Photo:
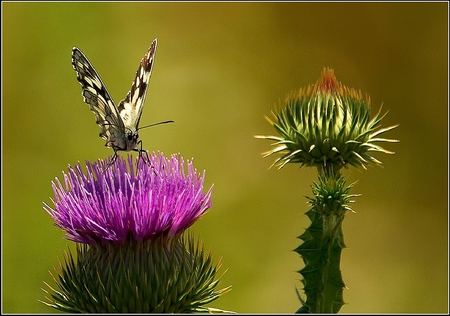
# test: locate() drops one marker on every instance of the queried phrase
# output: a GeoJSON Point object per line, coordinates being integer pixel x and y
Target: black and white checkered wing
{"type": "Point", "coordinates": [130, 108]}
{"type": "Point", "coordinates": [95, 94]}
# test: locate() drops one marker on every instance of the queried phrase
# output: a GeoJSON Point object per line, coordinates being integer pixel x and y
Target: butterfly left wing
{"type": "Point", "coordinates": [96, 95]}
{"type": "Point", "coordinates": [130, 108]}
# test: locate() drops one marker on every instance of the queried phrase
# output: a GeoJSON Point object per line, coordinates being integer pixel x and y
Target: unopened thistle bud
{"type": "Point", "coordinates": [327, 125]}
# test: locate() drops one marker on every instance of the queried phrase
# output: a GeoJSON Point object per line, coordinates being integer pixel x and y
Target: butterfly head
{"type": "Point", "coordinates": [131, 139]}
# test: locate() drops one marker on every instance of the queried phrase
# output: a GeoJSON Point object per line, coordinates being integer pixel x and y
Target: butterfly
{"type": "Point", "coordinates": [118, 124]}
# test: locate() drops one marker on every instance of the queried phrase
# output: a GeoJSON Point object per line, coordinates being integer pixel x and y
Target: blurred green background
{"type": "Point", "coordinates": [220, 68]}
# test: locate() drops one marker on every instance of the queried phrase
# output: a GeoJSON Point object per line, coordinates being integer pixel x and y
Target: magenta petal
{"type": "Point", "coordinates": [109, 206]}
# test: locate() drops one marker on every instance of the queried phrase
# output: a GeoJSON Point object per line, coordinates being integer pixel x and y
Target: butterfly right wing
{"type": "Point", "coordinates": [130, 108]}
{"type": "Point", "coordinates": [100, 102]}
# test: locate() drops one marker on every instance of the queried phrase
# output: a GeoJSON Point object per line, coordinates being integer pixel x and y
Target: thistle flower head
{"type": "Point", "coordinates": [328, 126]}
{"type": "Point", "coordinates": [133, 257]}
{"type": "Point", "coordinates": [160, 198]}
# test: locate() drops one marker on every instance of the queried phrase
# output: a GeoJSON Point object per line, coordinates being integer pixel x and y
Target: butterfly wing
{"type": "Point", "coordinates": [130, 108]}
{"type": "Point", "coordinates": [100, 102]}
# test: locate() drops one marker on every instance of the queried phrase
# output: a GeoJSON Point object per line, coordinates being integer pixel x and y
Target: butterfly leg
{"type": "Point", "coordinates": [112, 161]}
{"type": "Point", "coordinates": [141, 151]}
{"type": "Point", "coordinates": [141, 155]}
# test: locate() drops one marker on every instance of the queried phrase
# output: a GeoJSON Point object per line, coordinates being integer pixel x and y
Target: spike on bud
{"type": "Point", "coordinates": [328, 82]}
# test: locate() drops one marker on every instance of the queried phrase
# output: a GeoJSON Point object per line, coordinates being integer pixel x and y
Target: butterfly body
{"type": "Point", "coordinates": [118, 124]}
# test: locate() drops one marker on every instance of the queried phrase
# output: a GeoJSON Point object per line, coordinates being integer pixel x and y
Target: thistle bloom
{"type": "Point", "coordinates": [327, 125]}
{"type": "Point", "coordinates": [132, 256]}
{"type": "Point", "coordinates": [109, 206]}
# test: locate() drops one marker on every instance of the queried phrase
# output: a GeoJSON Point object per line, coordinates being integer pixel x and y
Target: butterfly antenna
{"type": "Point", "coordinates": [154, 124]}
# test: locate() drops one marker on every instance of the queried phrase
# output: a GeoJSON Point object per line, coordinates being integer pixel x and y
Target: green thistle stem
{"type": "Point", "coordinates": [322, 245]}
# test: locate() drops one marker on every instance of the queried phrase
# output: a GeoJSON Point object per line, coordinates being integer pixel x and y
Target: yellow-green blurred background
{"type": "Point", "coordinates": [220, 68]}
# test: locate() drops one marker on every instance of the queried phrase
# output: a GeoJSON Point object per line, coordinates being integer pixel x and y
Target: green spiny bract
{"type": "Point", "coordinates": [160, 275]}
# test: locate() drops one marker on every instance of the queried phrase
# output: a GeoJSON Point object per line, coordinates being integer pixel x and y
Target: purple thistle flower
{"type": "Point", "coordinates": [107, 206]}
